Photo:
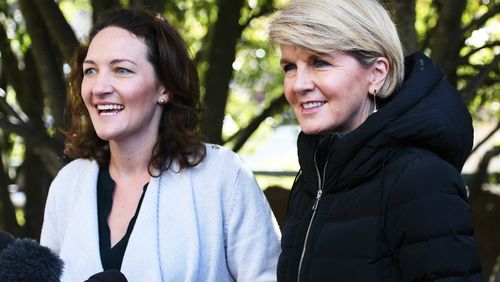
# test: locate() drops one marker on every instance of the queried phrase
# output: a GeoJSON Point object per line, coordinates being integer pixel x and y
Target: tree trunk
{"type": "Point", "coordinates": [58, 27]}
{"type": "Point", "coordinates": [8, 220]}
{"type": "Point", "coordinates": [447, 38]}
{"type": "Point", "coordinates": [99, 6]}
{"type": "Point", "coordinates": [48, 66]}
{"type": "Point", "coordinates": [155, 5]}
{"type": "Point", "coordinates": [31, 102]}
{"type": "Point", "coordinates": [486, 207]}
{"type": "Point", "coordinates": [469, 92]}
{"type": "Point", "coordinates": [227, 31]}
{"type": "Point", "coordinates": [404, 15]}
{"type": "Point", "coordinates": [36, 182]}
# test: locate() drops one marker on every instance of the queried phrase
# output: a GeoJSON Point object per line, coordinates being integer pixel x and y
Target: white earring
{"type": "Point", "coordinates": [162, 101]}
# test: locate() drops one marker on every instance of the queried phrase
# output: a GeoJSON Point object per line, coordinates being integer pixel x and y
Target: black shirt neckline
{"type": "Point", "coordinates": [111, 257]}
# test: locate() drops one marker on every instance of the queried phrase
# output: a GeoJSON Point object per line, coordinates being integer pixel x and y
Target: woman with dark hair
{"type": "Point", "coordinates": [145, 195]}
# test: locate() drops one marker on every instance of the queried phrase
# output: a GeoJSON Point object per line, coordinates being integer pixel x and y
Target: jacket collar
{"type": "Point", "coordinates": [426, 112]}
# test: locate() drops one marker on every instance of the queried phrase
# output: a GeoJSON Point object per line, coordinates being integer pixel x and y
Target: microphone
{"type": "Point", "coordinates": [5, 240]}
{"type": "Point", "coordinates": [111, 275]}
{"type": "Point", "coordinates": [26, 260]}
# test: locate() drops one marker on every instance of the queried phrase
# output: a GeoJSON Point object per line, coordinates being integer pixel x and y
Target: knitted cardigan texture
{"type": "Point", "coordinates": [207, 223]}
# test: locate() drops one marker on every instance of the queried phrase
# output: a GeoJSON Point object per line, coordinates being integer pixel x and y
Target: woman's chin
{"type": "Point", "coordinates": [105, 136]}
{"type": "Point", "coordinates": [313, 130]}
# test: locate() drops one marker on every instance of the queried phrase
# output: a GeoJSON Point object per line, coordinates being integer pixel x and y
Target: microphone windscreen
{"type": "Point", "coordinates": [26, 260]}
{"type": "Point", "coordinates": [111, 275]}
{"type": "Point", "coordinates": [5, 239]}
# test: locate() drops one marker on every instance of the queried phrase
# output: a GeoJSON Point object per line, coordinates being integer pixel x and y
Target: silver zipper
{"type": "Point", "coordinates": [314, 208]}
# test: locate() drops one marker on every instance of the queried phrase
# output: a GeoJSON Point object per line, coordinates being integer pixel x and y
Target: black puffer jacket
{"type": "Point", "coordinates": [392, 206]}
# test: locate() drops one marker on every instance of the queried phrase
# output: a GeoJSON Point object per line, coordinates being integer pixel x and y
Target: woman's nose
{"type": "Point", "coordinates": [102, 84]}
{"type": "Point", "coordinates": [303, 81]}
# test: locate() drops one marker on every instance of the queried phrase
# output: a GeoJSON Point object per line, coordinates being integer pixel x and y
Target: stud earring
{"type": "Point", "coordinates": [374, 101]}
{"type": "Point", "coordinates": [162, 101]}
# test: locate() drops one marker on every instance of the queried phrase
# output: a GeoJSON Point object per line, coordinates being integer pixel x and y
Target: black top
{"type": "Point", "coordinates": [111, 258]}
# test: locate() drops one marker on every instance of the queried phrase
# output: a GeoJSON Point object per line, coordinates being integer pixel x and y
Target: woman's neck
{"type": "Point", "coordinates": [130, 160]}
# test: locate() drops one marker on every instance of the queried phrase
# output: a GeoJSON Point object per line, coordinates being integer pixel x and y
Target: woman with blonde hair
{"type": "Point", "coordinates": [379, 196]}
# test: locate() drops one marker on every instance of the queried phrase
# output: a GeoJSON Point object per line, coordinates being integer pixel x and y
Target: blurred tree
{"type": "Point", "coordinates": [239, 71]}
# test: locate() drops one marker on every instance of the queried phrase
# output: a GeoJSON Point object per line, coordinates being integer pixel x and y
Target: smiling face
{"type": "Point", "coordinates": [328, 93]}
{"type": "Point", "coordinates": [120, 88]}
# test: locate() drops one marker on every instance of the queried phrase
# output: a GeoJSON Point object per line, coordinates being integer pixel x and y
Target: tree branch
{"type": "Point", "coordinates": [58, 27]}
{"type": "Point", "coordinates": [469, 91]}
{"type": "Point", "coordinates": [476, 23]}
{"type": "Point", "coordinates": [99, 6]}
{"type": "Point", "coordinates": [482, 171]}
{"type": "Point", "coordinates": [10, 71]}
{"type": "Point", "coordinates": [48, 148]}
{"type": "Point", "coordinates": [48, 66]}
{"type": "Point", "coordinates": [154, 5]}
{"type": "Point", "coordinates": [486, 138]}
{"type": "Point", "coordinates": [465, 59]}
{"type": "Point", "coordinates": [275, 106]}
{"type": "Point", "coordinates": [404, 14]}
{"type": "Point", "coordinates": [219, 73]}
{"type": "Point", "coordinates": [20, 129]}
{"type": "Point", "coordinates": [8, 110]}
{"type": "Point", "coordinates": [448, 38]}
{"type": "Point", "coordinates": [266, 9]}
{"type": "Point", "coordinates": [7, 211]}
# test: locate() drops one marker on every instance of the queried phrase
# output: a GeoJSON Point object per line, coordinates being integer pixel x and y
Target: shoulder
{"type": "Point", "coordinates": [222, 159]}
{"type": "Point", "coordinates": [421, 165]}
{"type": "Point", "coordinates": [76, 168]}
{"type": "Point", "coordinates": [77, 165]}
{"type": "Point", "coordinates": [217, 153]}
{"type": "Point", "coordinates": [419, 173]}
{"type": "Point", "coordinates": [223, 167]}
{"type": "Point", "coordinates": [74, 174]}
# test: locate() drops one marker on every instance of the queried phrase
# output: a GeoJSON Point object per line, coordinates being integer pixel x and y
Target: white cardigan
{"type": "Point", "coordinates": [208, 223]}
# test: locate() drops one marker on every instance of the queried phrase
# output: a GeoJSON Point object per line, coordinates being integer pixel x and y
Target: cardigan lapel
{"type": "Point", "coordinates": [80, 247]}
{"type": "Point", "coordinates": [164, 240]}
{"type": "Point", "coordinates": [179, 242]}
{"type": "Point", "coordinates": [141, 261]}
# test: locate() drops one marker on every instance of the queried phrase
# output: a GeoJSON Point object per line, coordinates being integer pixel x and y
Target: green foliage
{"type": "Point", "coordinates": [76, 12]}
{"type": "Point", "coordinates": [481, 45]}
{"type": "Point", "coordinates": [426, 19]}
{"type": "Point", "coordinates": [257, 75]}
{"type": "Point", "coordinates": [486, 104]}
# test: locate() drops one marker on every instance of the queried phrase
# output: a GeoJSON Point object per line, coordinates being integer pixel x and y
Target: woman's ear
{"type": "Point", "coordinates": [164, 97]}
{"type": "Point", "coordinates": [380, 69]}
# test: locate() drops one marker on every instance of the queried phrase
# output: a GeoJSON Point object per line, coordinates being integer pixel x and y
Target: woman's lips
{"type": "Point", "coordinates": [311, 105]}
{"type": "Point", "coordinates": [109, 109]}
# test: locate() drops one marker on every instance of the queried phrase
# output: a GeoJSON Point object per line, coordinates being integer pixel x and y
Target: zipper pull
{"type": "Point", "coordinates": [318, 196]}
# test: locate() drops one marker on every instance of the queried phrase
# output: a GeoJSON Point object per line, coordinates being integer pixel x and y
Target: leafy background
{"type": "Point", "coordinates": [244, 108]}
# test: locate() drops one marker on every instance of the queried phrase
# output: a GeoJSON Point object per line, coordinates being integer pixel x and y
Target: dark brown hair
{"type": "Point", "coordinates": [178, 134]}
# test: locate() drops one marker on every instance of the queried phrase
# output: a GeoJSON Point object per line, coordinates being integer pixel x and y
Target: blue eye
{"type": "Point", "coordinates": [121, 70]}
{"type": "Point", "coordinates": [320, 63]}
{"type": "Point", "coordinates": [288, 67]}
{"type": "Point", "coordinates": [89, 71]}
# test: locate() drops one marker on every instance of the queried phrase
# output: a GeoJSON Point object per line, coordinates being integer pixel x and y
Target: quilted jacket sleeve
{"type": "Point", "coordinates": [429, 223]}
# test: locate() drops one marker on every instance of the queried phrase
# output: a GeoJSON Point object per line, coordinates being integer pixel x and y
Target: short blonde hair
{"type": "Point", "coordinates": [362, 28]}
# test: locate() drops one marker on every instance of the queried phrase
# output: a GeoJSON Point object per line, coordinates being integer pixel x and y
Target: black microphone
{"type": "Point", "coordinates": [25, 260]}
{"type": "Point", "coordinates": [5, 239]}
{"type": "Point", "coordinates": [111, 275]}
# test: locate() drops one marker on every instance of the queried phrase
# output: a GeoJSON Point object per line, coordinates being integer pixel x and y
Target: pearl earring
{"type": "Point", "coordinates": [162, 101]}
